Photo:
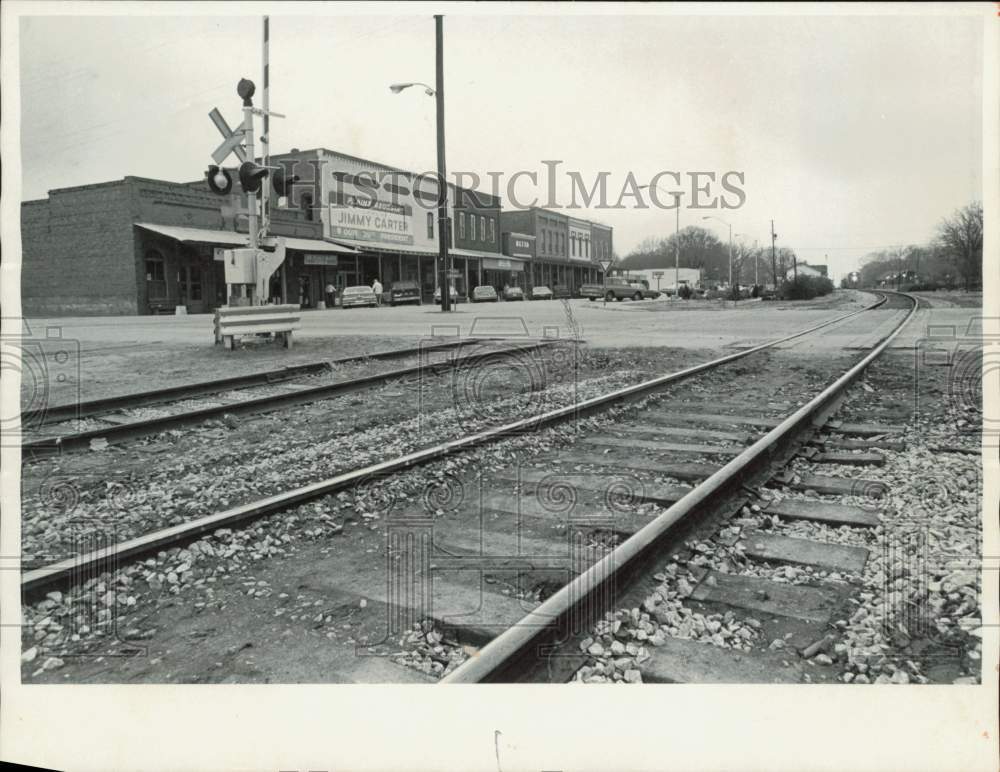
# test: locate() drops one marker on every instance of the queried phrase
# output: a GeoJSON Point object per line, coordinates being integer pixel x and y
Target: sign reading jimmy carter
{"type": "Point", "coordinates": [366, 218]}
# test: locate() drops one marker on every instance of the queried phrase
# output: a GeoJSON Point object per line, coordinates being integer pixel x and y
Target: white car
{"type": "Point", "coordinates": [358, 296]}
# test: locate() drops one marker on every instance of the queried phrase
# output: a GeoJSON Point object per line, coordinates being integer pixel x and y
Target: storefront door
{"type": "Point", "coordinates": [189, 281]}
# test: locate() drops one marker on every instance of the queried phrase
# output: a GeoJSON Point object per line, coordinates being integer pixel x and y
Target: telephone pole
{"type": "Point", "coordinates": [443, 230]}
{"type": "Point", "coordinates": [774, 265]}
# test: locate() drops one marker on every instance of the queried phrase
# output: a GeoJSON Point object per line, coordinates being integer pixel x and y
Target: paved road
{"type": "Point", "coordinates": [619, 324]}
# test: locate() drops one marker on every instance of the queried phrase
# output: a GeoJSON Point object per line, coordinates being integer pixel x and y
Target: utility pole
{"type": "Point", "coordinates": [677, 247]}
{"type": "Point", "coordinates": [732, 290]}
{"type": "Point", "coordinates": [774, 265]}
{"type": "Point", "coordinates": [756, 262]}
{"type": "Point", "coordinates": [443, 233]}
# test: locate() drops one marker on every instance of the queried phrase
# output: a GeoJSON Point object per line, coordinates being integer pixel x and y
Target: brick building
{"type": "Point", "coordinates": [565, 249]}
{"type": "Point", "coordinates": [139, 246]}
{"type": "Point", "coordinates": [390, 217]}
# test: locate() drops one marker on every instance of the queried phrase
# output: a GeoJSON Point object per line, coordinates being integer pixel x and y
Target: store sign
{"type": "Point", "coordinates": [522, 247]}
{"type": "Point", "coordinates": [502, 264]}
{"type": "Point", "coordinates": [314, 259]}
{"type": "Point", "coordinates": [367, 218]}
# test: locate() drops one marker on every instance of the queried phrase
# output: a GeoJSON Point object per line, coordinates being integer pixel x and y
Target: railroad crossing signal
{"type": "Point", "coordinates": [251, 175]}
{"type": "Point", "coordinates": [232, 142]}
{"type": "Point", "coordinates": [219, 180]}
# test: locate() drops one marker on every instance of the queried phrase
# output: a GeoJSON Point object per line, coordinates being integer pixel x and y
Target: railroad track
{"type": "Point", "coordinates": [602, 542]}
{"type": "Point", "coordinates": [626, 617]}
{"type": "Point", "coordinates": [285, 387]}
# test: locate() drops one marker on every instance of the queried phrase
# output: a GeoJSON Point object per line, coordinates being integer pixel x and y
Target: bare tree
{"type": "Point", "coordinates": [961, 237]}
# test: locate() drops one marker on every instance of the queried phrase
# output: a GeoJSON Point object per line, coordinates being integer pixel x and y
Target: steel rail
{"type": "Point", "coordinates": [143, 427]}
{"type": "Point", "coordinates": [496, 660]}
{"type": "Point", "coordinates": [71, 411]}
{"type": "Point", "coordinates": [63, 571]}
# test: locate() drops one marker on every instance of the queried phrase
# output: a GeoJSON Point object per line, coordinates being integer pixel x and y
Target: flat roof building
{"type": "Point", "coordinates": [142, 246]}
{"type": "Point", "coordinates": [564, 250]}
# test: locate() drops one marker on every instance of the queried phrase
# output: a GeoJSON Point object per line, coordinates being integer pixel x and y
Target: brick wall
{"type": "Point", "coordinates": [77, 252]}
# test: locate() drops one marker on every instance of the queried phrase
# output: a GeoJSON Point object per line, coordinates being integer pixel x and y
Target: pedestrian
{"type": "Point", "coordinates": [331, 295]}
{"type": "Point", "coordinates": [377, 289]}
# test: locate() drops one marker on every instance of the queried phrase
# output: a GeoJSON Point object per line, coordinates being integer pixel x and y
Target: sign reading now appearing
{"type": "Point", "coordinates": [365, 218]}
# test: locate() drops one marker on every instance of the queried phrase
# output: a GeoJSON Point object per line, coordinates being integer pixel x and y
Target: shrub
{"type": "Point", "coordinates": [684, 292]}
{"type": "Point", "coordinates": [805, 288]}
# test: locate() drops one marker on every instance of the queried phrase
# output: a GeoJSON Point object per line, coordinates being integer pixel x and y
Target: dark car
{"type": "Point", "coordinates": [560, 291]}
{"type": "Point", "coordinates": [404, 292]}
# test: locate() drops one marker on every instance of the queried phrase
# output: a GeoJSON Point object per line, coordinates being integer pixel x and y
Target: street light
{"type": "Point", "coordinates": [444, 256]}
{"type": "Point", "coordinates": [677, 231]}
{"type": "Point", "coordinates": [713, 217]}
{"type": "Point", "coordinates": [395, 88]}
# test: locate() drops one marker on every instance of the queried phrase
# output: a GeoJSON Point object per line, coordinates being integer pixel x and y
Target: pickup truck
{"type": "Point", "coordinates": [617, 289]}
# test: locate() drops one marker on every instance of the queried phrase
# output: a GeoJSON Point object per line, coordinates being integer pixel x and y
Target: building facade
{"type": "Point", "coordinates": [563, 248]}
{"type": "Point", "coordinates": [390, 216]}
{"type": "Point", "coordinates": [140, 246]}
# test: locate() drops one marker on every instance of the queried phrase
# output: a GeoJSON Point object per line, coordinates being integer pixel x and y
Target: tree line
{"type": "Point", "coordinates": [701, 248]}
{"type": "Point", "coordinates": [952, 258]}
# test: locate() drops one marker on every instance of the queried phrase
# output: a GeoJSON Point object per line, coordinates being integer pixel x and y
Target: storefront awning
{"type": "Point", "coordinates": [477, 254]}
{"type": "Point", "coordinates": [234, 239]}
{"type": "Point", "coordinates": [373, 247]}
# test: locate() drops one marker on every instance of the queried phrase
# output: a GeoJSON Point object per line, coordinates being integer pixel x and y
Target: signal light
{"type": "Point", "coordinates": [251, 175]}
{"type": "Point", "coordinates": [282, 182]}
{"type": "Point", "coordinates": [220, 181]}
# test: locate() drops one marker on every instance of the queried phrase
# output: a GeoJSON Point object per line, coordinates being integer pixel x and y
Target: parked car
{"type": "Point", "coordinates": [484, 293]}
{"type": "Point", "coordinates": [612, 289]}
{"type": "Point", "coordinates": [513, 293]}
{"type": "Point", "coordinates": [451, 292]}
{"type": "Point", "coordinates": [645, 292]}
{"type": "Point", "coordinates": [540, 292]}
{"type": "Point", "coordinates": [358, 296]}
{"type": "Point", "coordinates": [404, 292]}
{"type": "Point", "coordinates": [561, 291]}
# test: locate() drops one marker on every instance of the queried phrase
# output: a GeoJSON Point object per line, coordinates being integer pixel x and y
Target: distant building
{"type": "Point", "coordinates": [565, 250]}
{"type": "Point", "coordinates": [661, 278]}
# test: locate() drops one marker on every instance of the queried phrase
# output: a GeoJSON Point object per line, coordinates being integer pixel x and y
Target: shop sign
{"type": "Point", "coordinates": [315, 259]}
{"type": "Point", "coordinates": [502, 264]}
{"type": "Point", "coordinates": [366, 218]}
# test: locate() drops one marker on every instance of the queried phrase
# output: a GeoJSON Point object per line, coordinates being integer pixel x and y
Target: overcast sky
{"type": "Point", "coordinates": [853, 133]}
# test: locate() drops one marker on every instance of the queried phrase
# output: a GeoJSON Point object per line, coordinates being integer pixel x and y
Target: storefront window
{"type": "Point", "coordinates": [156, 276]}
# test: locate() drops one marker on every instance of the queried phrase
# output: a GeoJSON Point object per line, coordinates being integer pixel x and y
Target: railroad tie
{"type": "Point", "coordinates": [837, 486]}
{"type": "Point", "coordinates": [604, 440]}
{"type": "Point", "coordinates": [775, 548]}
{"type": "Point", "coordinates": [822, 512]}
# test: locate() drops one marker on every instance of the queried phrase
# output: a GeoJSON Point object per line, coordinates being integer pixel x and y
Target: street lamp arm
{"type": "Point", "coordinates": [395, 88]}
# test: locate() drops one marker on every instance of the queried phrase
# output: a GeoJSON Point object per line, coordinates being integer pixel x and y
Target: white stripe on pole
{"type": "Point", "coordinates": [265, 194]}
